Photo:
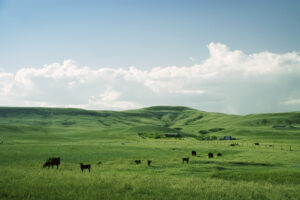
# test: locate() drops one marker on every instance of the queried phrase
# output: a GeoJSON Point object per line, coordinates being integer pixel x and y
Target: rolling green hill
{"type": "Point", "coordinates": [158, 119]}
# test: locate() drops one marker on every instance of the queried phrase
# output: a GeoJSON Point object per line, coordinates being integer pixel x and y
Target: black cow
{"type": "Point", "coordinates": [83, 167]}
{"type": "Point", "coordinates": [149, 162]}
{"type": "Point", "coordinates": [194, 153]}
{"type": "Point", "coordinates": [137, 162]}
{"type": "Point", "coordinates": [186, 160]}
{"type": "Point", "coordinates": [256, 143]}
{"type": "Point", "coordinates": [219, 154]}
{"type": "Point", "coordinates": [50, 162]}
{"type": "Point", "coordinates": [210, 155]}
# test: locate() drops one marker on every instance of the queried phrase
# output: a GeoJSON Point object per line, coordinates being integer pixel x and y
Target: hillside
{"type": "Point", "coordinates": [157, 119]}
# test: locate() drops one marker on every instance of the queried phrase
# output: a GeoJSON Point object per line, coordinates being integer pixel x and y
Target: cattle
{"type": "Point", "coordinates": [186, 160]}
{"type": "Point", "coordinates": [256, 143]}
{"type": "Point", "coordinates": [194, 153]}
{"type": "Point", "coordinates": [46, 164]}
{"type": "Point", "coordinates": [219, 154]}
{"type": "Point", "coordinates": [83, 167]}
{"type": "Point", "coordinates": [149, 162]}
{"type": "Point", "coordinates": [137, 162]}
{"type": "Point", "coordinates": [210, 155]}
{"type": "Point", "coordinates": [50, 162]}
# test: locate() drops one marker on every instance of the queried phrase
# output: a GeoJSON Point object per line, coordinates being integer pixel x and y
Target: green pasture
{"type": "Point", "coordinates": [28, 136]}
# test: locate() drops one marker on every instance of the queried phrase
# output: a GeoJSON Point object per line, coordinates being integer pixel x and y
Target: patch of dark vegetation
{"type": "Point", "coordinates": [68, 123]}
{"type": "Point", "coordinates": [216, 129]}
{"type": "Point", "coordinates": [103, 123]}
{"type": "Point", "coordinates": [271, 177]}
{"type": "Point", "coordinates": [166, 125]}
{"type": "Point", "coordinates": [173, 135]}
{"type": "Point", "coordinates": [202, 162]}
{"type": "Point", "coordinates": [213, 137]}
{"type": "Point", "coordinates": [189, 121]}
{"type": "Point", "coordinates": [251, 164]}
{"type": "Point", "coordinates": [285, 127]}
{"type": "Point", "coordinates": [203, 132]}
{"type": "Point", "coordinates": [220, 168]}
{"type": "Point", "coordinates": [161, 135]}
{"type": "Point", "coordinates": [212, 130]}
{"type": "Point", "coordinates": [177, 128]}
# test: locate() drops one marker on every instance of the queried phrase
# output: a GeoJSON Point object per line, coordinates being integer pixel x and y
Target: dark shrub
{"type": "Point", "coordinates": [203, 132]}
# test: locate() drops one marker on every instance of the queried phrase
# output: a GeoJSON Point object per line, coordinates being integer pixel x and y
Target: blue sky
{"type": "Point", "coordinates": [225, 56]}
{"type": "Point", "coordinates": [140, 33]}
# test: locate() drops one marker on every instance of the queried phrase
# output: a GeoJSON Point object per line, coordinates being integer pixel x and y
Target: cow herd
{"type": "Point", "coordinates": [194, 153]}
{"type": "Point", "coordinates": [55, 161]}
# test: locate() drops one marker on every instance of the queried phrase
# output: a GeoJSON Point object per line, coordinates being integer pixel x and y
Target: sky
{"type": "Point", "coordinates": [236, 57]}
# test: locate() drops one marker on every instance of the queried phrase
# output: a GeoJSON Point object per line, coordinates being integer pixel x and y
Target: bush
{"type": "Point", "coordinates": [203, 132]}
{"type": "Point", "coordinates": [175, 135]}
{"type": "Point", "coordinates": [213, 137]}
{"type": "Point", "coordinates": [216, 129]}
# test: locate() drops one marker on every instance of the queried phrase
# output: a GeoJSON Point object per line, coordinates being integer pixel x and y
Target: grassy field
{"type": "Point", "coordinates": [28, 136]}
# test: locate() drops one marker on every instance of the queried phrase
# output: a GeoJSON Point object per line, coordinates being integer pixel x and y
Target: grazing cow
{"type": "Point", "coordinates": [194, 153]}
{"type": "Point", "coordinates": [137, 162]}
{"type": "Point", "coordinates": [88, 166]}
{"type": "Point", "coordinates": [256, 143]}
{"type": "Point", "coordinates": [219, 154]}
{"type": "Point", "coordinates": [99, 163]}
{"type": "Point", "coordinates": [51, 162]}
{"type": "Point", "coordinates": [186, 160]}
{"type": "Point", "coordinates": [149, 162]}
{"type": "Point", "coordinates": [210, 155]}
{"type": "Point", "coordinates": [46, 164]}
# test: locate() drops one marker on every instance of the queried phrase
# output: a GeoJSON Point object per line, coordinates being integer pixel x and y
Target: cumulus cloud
{"type": "Point", "coordinates": [227, 81]}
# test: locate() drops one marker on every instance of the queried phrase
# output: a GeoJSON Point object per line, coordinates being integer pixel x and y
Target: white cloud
{"type": "Point", "coordinates": [292, 102]}
{"type": "Point", "coordinates": [227, 81]}
{"type": "Point", "coordinates": [110, 99]}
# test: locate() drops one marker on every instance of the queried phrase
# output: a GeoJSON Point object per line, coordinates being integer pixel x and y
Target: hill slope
{"type": "Point", "coordinates": [157, 119]}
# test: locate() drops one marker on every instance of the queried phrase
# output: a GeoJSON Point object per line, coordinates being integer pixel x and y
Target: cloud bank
{"type": "Point", "coordinates": [227, 81]}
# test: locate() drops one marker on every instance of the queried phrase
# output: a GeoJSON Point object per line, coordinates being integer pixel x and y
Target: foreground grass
{"type": "Point", "coordinates": [64, 184]}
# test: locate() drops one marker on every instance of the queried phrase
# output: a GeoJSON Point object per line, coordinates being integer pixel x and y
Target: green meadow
{"type": "Point", "coordinates": [29, 136]}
